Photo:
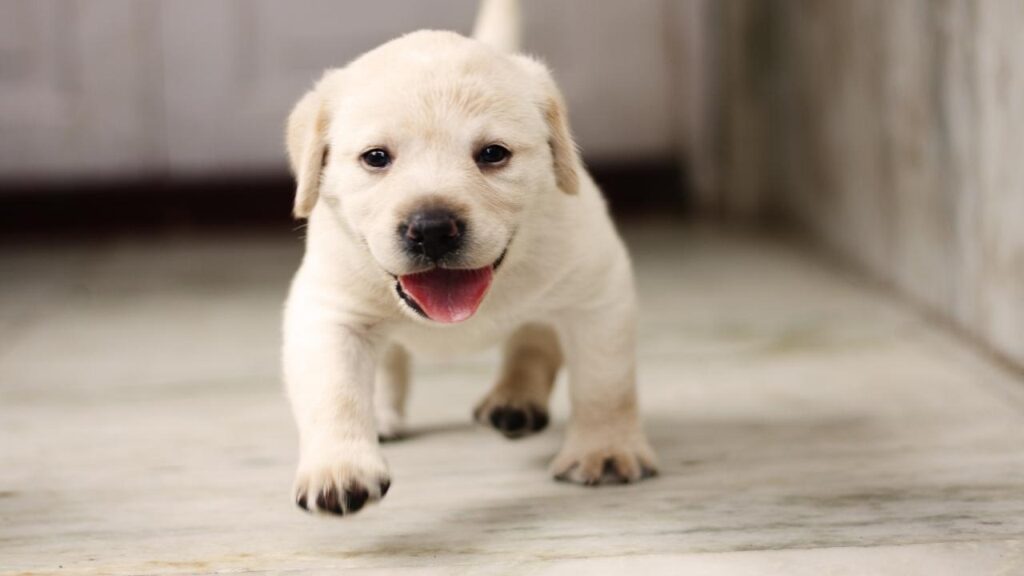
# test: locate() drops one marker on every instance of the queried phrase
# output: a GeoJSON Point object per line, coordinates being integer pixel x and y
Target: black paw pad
{"type": "Point", "coordinates": [516, 422]}
{"type": "Point", "coordinates": [508, 419]}
{"type": "Point", "coordinates": [539, 420]}
{"type": "Point", "coordinates": [355, 497]}
{"type": "Point", "coordinates": [327, 501]}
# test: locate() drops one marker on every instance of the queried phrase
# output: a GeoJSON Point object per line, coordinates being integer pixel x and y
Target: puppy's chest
{"type": "Point", "coordinates": [449, 341]}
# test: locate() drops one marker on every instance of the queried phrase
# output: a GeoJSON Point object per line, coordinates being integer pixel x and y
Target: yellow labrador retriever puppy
{"type": "Point", "coordinates": [448, 210]}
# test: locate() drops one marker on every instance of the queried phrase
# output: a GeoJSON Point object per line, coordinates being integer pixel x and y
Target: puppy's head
{"type": "Point", "coordinates": [429, 150]}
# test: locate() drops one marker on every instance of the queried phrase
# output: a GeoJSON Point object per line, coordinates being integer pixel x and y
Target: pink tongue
{"type": "Point", "coordinates": [448, 295]}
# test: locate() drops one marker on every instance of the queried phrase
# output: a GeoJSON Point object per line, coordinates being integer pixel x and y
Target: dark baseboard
{"type": "Point", "coordinates": [115, 208]}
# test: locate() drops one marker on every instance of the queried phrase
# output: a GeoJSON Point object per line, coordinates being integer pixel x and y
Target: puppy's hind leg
{"type": "Point", "coordinates": [390, 392]}
{"type": "Point", "coordinates": [517, 405]}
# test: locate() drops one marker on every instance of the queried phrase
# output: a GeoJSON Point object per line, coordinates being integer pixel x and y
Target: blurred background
{"type": "Point", "coordinates": [825, 205]}
{"type": "Point", "coordinates": [890, 133]}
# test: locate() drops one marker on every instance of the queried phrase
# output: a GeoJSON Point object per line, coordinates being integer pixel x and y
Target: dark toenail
{"type": "Point", "coordinates": [301, 501]}
{"type": "Point", "coordinates": [610, 471]}
{"type": "Point", "coordinates": [355, 497]}
{"type": "Point", "coordinates": [540, 420]}
{"type": "Point", "coordinates": [648, 472]}
{"type": "Point", "coordinates": [384, 487]}
{"type": "Point", "coordinates": [565, 475]}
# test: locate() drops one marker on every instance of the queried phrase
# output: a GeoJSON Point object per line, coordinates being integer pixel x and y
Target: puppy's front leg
{"type": "Point", "coordinates": [329, 369]}
{"type": "Point", "coordinates": [605, 442]}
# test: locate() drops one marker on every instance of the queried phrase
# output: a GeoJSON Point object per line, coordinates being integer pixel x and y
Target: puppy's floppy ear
{"type": "Point", "coordinates": [565, 155]}
{"type": "Point", "coordinates": [563, 149]}
{"type": "Point", "coordinates": [306, 138]}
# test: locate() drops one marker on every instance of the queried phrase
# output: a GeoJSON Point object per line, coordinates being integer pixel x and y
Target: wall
{"type": "Point", "coordinates": [202, 87]}
{"type": "Point", "coordinates": [893, 132]}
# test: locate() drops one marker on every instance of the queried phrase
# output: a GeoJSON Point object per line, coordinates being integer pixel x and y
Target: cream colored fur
{"type": "Point", "coordinates": [433, 98]}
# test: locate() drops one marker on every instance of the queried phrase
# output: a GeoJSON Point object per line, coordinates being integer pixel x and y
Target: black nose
{"type": "Point", "coordinates": [432, 233]}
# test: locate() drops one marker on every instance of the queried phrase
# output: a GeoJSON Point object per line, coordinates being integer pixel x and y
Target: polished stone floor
{"type": "Point", "coordinates": [807, 423]}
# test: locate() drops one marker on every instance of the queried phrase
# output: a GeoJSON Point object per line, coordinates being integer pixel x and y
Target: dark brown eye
{"type": "Point", "coordinates": [376, 158]}
{"type": "Point", "coordinates": [493, 155]}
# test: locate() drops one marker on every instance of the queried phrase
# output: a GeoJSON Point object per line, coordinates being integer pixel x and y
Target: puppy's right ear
{"type": "Point", "coordinates": [306, 138]}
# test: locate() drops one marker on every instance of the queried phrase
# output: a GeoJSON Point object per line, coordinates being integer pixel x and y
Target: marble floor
{"type": "Point", "coordinates": [807, 423]}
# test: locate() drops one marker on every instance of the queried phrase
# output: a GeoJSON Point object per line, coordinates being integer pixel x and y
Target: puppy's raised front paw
{"type": "Point", "coordinates": [513, 420]}
{"type": "Point", "coordinates": [614, 461]}
{"type": "Point", "coordinates": [342, 484]}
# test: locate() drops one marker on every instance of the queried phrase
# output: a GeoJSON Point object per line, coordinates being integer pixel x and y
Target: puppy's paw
{"type": "Point", "coordinates": [390, 426]}
{"type": "Point", "coordinates": [612, 461]}
{"type": "Point", "coordinates": [512, 419]}
{"type": "Point", "coordinates": [341, 483]}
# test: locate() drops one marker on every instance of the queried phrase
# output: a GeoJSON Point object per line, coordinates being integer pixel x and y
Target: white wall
{"type": "Point", "coordinates": [894, 134]}
{"type": "Point", "coordinates": [79, 88]}
{"type": "Point", "coordinates": [202, 87]}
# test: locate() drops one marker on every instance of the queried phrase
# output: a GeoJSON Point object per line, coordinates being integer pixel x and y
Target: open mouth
{"type": "Point", "coordinates": [446, 295]}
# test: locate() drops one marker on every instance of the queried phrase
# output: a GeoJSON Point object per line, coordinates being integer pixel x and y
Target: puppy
{"type": "Point", "coordinates": [448, 209]}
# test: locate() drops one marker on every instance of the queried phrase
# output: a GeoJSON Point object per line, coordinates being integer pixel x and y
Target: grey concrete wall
{"type": "Point", "coordinates": [893, 132]}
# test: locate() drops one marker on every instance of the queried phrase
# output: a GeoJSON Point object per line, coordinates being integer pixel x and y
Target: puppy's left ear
{"type": "Point", "coordinates": [563, 148]}
{"type": "Point", "coordinates": [565, 155]}
{"type": "Point", "coordinates": [306, 139]}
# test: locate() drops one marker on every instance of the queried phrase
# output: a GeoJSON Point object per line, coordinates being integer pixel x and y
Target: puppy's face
{"type": "Point", "coordinates": [429, 150]}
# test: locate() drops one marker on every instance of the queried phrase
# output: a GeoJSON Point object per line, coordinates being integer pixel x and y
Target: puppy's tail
{"type": "Point", "coordinates": [497, 24]}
